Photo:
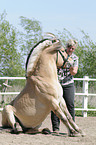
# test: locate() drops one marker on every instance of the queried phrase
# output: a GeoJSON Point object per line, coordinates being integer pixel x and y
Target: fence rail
{"type": "Point", "coordinates": [85, 93]}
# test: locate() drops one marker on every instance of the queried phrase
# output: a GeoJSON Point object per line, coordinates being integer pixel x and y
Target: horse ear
{"type": "Point", "coordinates": [48, 34]}
{"type": "Point", "coordinates": [56, 44]}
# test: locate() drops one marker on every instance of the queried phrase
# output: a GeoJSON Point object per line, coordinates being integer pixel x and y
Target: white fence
{"type": "Point", "coordinates": [85, 93]}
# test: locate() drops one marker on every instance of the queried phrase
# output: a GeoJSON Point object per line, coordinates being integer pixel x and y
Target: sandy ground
{"type": "Point", "coordinates": [87, 124]}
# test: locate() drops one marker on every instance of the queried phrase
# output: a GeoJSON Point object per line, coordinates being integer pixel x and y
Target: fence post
{"type": "Point", "coordinates": [5, 85]}
{"type": "Point", "coordinates": [85, 98]}
{"type": "Point", "coordinates": [4, 90]}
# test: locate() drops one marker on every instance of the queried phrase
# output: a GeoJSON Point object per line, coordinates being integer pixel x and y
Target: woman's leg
{"type": "Point", "coordinates": [68, 95]}
{"type": "Point", "coordinates": [55, 121]}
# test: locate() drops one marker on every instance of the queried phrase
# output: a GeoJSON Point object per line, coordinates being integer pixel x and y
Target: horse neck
{"type": "Point", "coordinates": [46, 66]}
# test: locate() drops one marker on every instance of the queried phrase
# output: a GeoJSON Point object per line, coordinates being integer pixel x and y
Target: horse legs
{"type": "Point", "coordinates": [73, 129]}
{"type": "Point", "coordinates": [8, 118]}
{"type": "Point", "coordinates": [63, 107]}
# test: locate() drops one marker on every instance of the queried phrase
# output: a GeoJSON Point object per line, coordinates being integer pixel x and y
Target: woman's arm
{"type": "Point", "coordinates": [73, 70]}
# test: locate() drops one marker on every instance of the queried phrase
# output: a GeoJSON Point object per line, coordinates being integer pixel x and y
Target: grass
{"type": "Point", "coordinates": [91, 105]}
{"type": "Point", "coordinates": [89, 113]}
{"type": "Point", "coordinates": [91, 99]}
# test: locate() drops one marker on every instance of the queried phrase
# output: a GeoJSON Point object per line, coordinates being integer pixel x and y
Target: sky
{"type": "Point", "coordinates": [74, 15]}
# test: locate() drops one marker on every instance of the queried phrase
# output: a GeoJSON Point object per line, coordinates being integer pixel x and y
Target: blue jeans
{"type": "Point", "coordinates": [68, 95]}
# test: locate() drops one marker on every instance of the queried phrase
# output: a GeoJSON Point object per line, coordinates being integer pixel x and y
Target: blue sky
{"type": "Point", "coordinates": [74, 15]}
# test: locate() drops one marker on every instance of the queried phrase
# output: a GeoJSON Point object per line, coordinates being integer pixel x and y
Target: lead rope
{"type": "Point", "coordinates": [57, 58]}
{"type": "Point", "coordinates": [65, 59]}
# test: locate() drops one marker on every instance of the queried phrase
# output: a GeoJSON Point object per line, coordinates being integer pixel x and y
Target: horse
{"type": "Point", "coordinates": [42, 92]}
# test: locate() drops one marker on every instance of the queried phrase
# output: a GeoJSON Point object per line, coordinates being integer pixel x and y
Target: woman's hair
{"type": "Point", "coordinates": [71, 42]}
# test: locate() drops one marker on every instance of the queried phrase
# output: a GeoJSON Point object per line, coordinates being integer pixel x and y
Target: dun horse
{"type": "Point", "coordinates": [42, 92]}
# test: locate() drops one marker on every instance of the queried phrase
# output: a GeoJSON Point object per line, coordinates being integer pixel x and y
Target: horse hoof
{"type": "Point", "coordinates": [82, 133]}
{"type": "Point", "coordinates": [14, 131]}
{"type": "Point", "coordinates": [73, 133]}
{"type": "Point", "coordinates": [46, 131]}
{"type": "Point", "coordinates": [17, 129]}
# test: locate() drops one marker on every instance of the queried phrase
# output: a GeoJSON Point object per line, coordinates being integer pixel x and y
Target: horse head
{"type": "Point", "coordinates": [53, 44]}
{"type": "Point", "coordinates": [50, 45]}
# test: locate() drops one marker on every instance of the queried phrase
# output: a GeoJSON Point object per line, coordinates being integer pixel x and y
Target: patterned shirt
{"type": "Point", "coordinates": [64, 74]}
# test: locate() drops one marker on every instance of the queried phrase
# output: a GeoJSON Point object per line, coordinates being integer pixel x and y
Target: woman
{"type": "Point", "coordinates": [65, 76]}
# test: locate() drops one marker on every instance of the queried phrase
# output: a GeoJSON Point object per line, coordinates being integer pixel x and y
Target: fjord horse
{"type": "Point", "coordinates": [42, 92]}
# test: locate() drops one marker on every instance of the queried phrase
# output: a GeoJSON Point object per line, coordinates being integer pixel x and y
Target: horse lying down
{"type": "Point", "coordinates": [42, 92]}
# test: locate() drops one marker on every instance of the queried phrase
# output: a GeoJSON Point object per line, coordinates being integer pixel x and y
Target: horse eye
{"type": "Point", "coordinates": [53, 41]}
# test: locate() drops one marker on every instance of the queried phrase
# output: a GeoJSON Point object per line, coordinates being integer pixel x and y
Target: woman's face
{"type": "Point", "coordinates": [70, 49]}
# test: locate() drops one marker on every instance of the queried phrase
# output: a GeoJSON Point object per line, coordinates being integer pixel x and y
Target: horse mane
{"type": "Point", "coordinates": [35, 52]}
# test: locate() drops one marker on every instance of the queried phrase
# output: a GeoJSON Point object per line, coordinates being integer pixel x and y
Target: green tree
{"type": "Point", "coordinates": [86, 51]}
{"type": "Point", "coordinates": [31, 34]}
{"type": "Point", "coordinates": [87, 56]}
{"type": "Point", "coordinates": [14, 47]}
{"type": "Point", "coordinates": [10, 58]}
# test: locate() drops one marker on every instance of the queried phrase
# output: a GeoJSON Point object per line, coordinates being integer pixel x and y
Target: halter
{"type": "Point", "coordinates": [64, 59]}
